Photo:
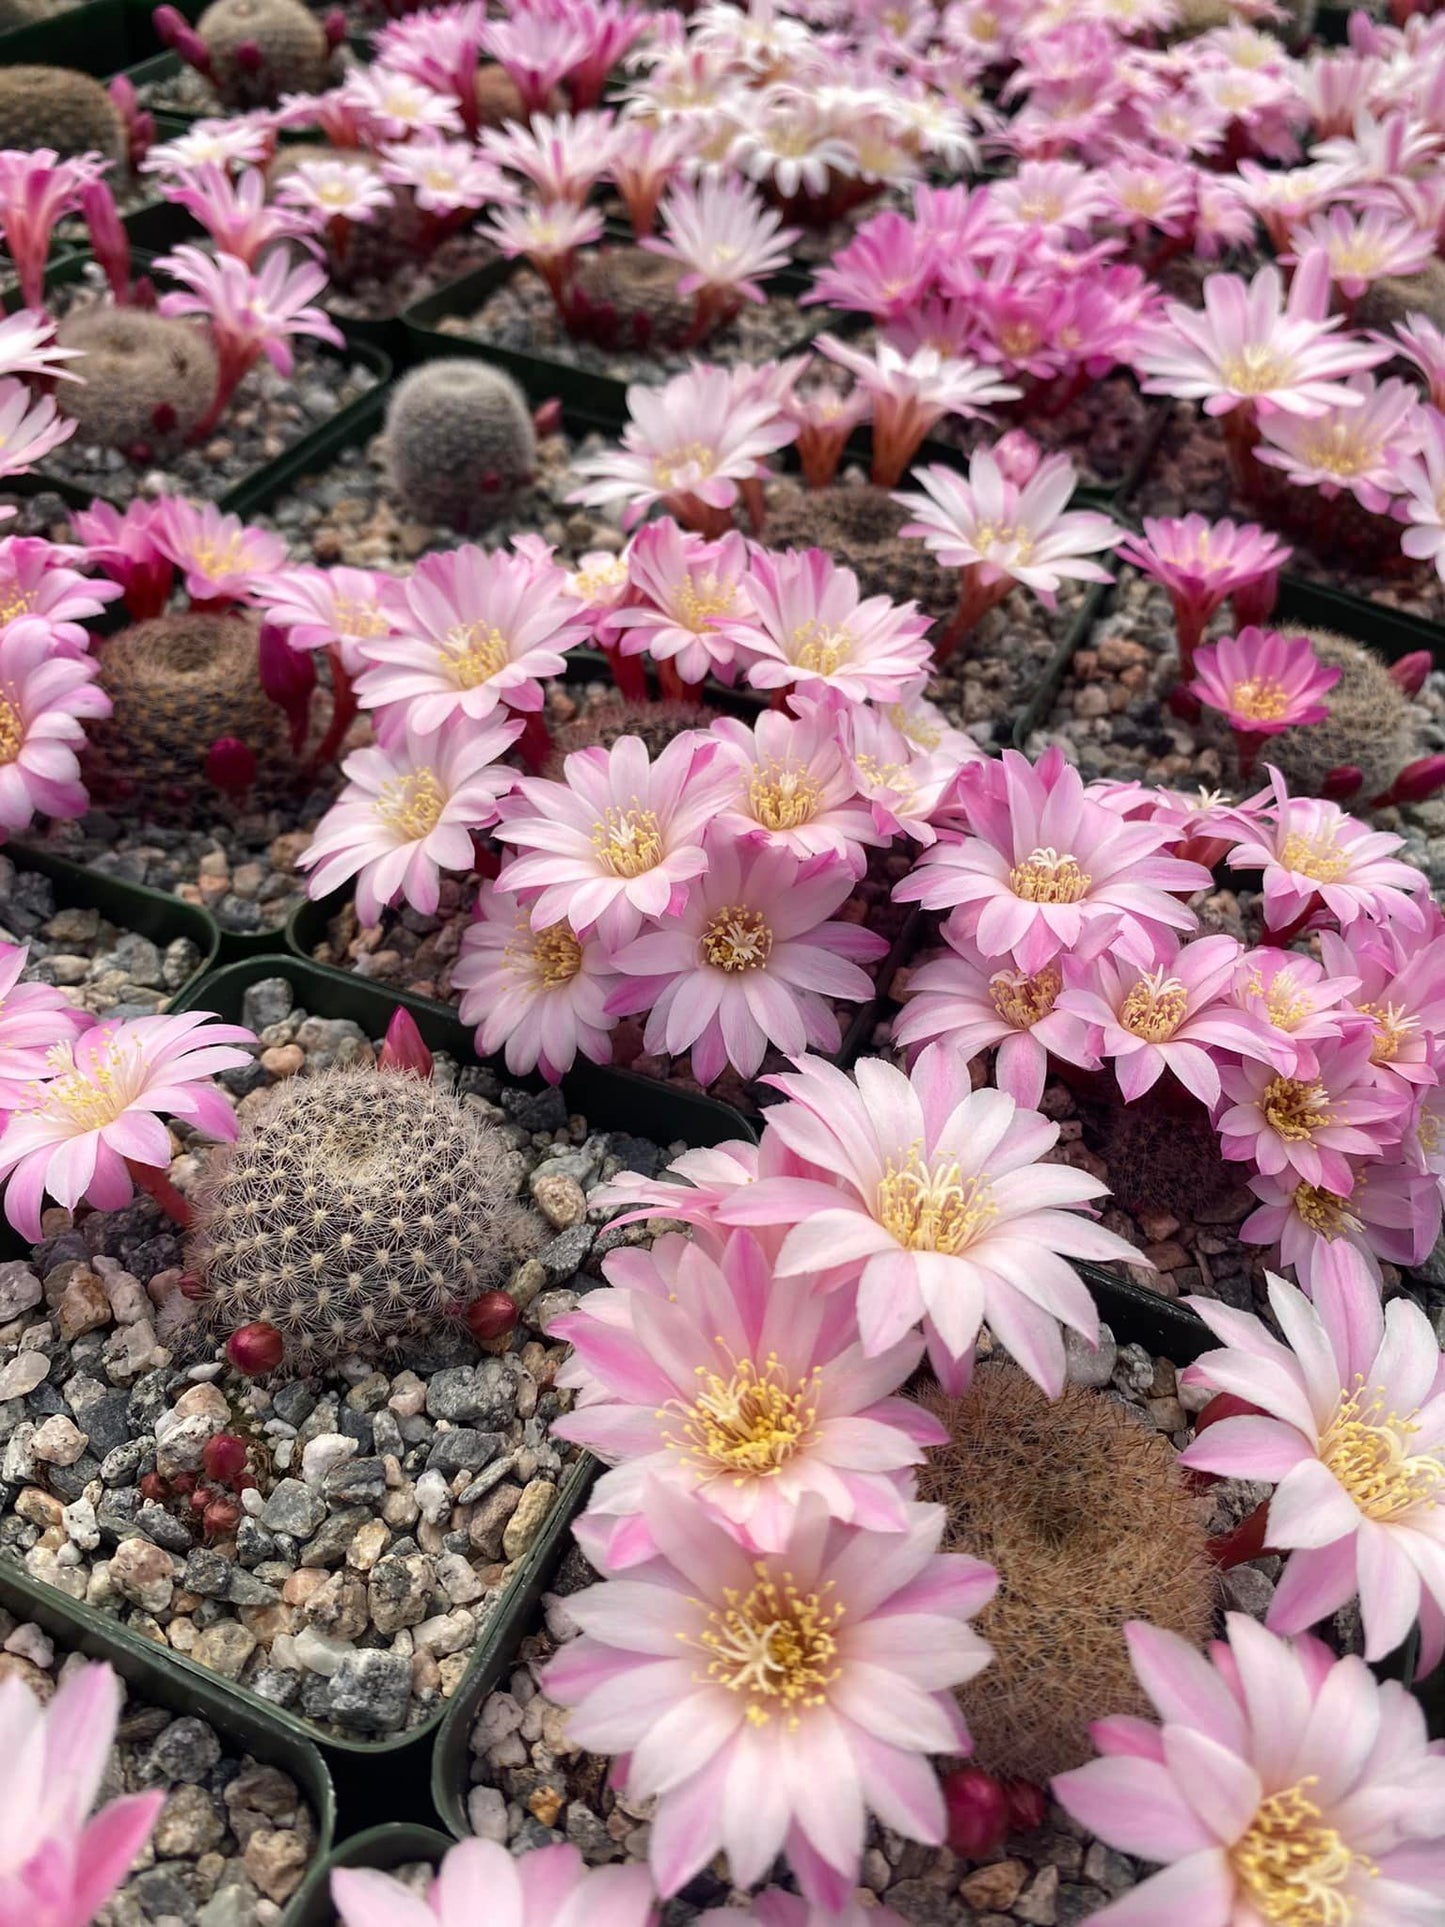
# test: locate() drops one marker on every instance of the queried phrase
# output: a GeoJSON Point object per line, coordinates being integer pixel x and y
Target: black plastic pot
{"type": "Point", "coordinates": [1390, 632]}
{"type": "Point", "coordinates": [151, 1672]}
{"type": "Point", "coordinates": [150, 913]}
{"type": "Point", "coordinates": [93, 39]}
{"type": "Point", "coordinates": [380, 1847]}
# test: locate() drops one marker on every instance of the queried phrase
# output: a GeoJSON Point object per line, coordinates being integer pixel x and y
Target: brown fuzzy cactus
{"type": "Point", "coordinates": [55, 107]}
{"type": "Point", "coordinates": [1372, 725]}
{"type": "Point", "coordinates": [148, 380]}
{"type": "Point", "coordinates": [459, 443]}
{"type": "Point", "coordinates": [607, 721]}
{"type": "Point", "coordinates": [261, 49]}
{"type": "Point", "coordinates": [860, 527]}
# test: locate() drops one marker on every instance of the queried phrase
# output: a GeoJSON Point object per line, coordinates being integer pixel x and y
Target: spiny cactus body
{"type": "Point", "coordinates": [56, 107]}
{"type": "Point", "coordinates": [1371, 724]}
{"type": "Point", "coordinates": [148, 379]}
{"type": "Point", "coordinates": [357, 1208]}
{"type": "Point", "coordinates": [1395, 297]}
{"type": "Point", "coordinates": [262, 49]}
{"type": "Point", "coordinates": [459, 443]}
{"type": "Point", "coordinates": [627, 298]}
{"type": "Point", "coordinates": [609, 720]}
{"type": "Point", "coordinates": [860, 527]}
{"type": "Point", "coordinates": [1087, 1519]}
{"type": "Point", "coordinates": [1163, 1157]}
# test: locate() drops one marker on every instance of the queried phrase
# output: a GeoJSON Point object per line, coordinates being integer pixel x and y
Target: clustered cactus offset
{"type": "Point", "coordinates": [459, 442]}
{"type": "Point", "coordinates": [1371, 727]}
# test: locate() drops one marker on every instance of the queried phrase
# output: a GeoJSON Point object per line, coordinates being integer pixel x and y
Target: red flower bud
{"type": "Point", "coordinates": [1184, 704]}
{"type": "Point", "coordinates": [1245, 1542]}
{"type": "Point", "coordinates": [1410, 671]}
{"type": "Point", "coordinates": [193, 1287]}
{"type": "Point", "coordinates": [1224, 1405]}
{"type": "Point", "coordinates": [1416, 781]}
{"type": "Point", "coordinates": [256, 1349]}
{"type": "Point", "coordinates": [154, 1488]}
{"type": "Point", "coordinates": [403, 1048]}
{"type": "Point", "coordinates": [1027, 1805]}
{"type": "Point", "coordinates": [978, 1812]}
{"type": "Point", "coordinates": [288, 677]}
{"type": "Point", "coordinates": [249, 57]}
{"type": "Point", "coordinates": [175, 31]}
{"type": "Point", "coordinates": [224, 1457]}
{"type": "Point", "coordinates": [491, 1316]}
{"type": "Point", "coordinates": [1342, 783]}
{"type": "Point", "coordinates": [223, 1515]}
{"type": "Point", "coordinates": [547, 417]}
{"type": "Point", "coordinates": [231, 766]}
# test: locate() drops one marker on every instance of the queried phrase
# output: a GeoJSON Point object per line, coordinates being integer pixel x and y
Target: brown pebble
{"type": "Point", "coordinates": [283, 1060]}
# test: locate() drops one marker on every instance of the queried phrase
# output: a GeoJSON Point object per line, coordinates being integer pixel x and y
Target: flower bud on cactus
{"type": "Point", "coordinates": [1410, 671]}
{"type": "Point", "coordinates": [404, 1048]}
{"type": "Point", "coordinates": [256, 1349]}
{"type": "Point", "coordinates": [1416, 781]}
{"type": "Point", "coordinates": [231, 766]}
{"type": "Point", "coordinates": [223, 1457]}
{"type": "Point", "coordinates": [978, 1812]}
{"type": "Point", "coordinates": [1342, 783]}
{"type": "Point", "coordinates": [288, 677]}
{"type": "Point", "coordinates": [491, 1316]}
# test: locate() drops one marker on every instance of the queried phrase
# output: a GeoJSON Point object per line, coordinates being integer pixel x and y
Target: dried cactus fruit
{"type": "Point", "coordinates": [148, 379]}
{"type": "Point", "coordinates": [56, 107]}
{"type": "Point", "coordinates": [1089, 1522]}
{"type": "Point", "coordinates": [262, 49]}
{"type": "Point", "coordinates": [1371, 724]}
{"type": "Point", "coordinates": [613, 717]}
{"type": "Point", "coordinates": [859, 525]}
{"type": "Point", "coordinates": [459, 443]}
{"type": "Point", "coordinates": [357, 1208]}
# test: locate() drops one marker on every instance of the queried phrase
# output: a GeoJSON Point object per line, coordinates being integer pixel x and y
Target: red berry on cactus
{"type": "Point", "coordinates": [491, 1316]}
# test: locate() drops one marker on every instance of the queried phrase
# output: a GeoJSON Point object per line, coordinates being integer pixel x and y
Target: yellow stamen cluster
{"type": "Point", "coordinates": [1294, 1109]}
{"type": "Point", "coordinates": [1323, 1211]}
{"type": "Point", "coordinates": [412, 805]}
{"type": "Point", "coordinates": [1366, 1446]}
{"type": "Point", "coordinates": [1255, 369]}
{"type": "Point", "coordinates": [692, 455]}
{"type": "Point", "coordinates": [95, 1096]}
{"type": "Point", "coordinates": [1293, 1867]}
{"type": "Point", "coordinates": [775, 1644]}
{"type": "Point", "coordinates": [737, 938]}
{"type": "Point", "coordinates": [553, 956]}
{"type": "Point", "coordinates": [1022, 1000]}
{"type": "Point", "coordinates": [749, 1424]}
{"type": "Point", "coordinates": [781, 797]}
{"type": "Point", "coordinates": [1319, 858]}
{"type": "Point", "coordinates": [12, 730]}
{"type": "Point", "coordinates": [699, 598]}
{"type": "Point", "coordinates": [1393, 1025]}
{"type": "Point", "coordinates": [627, 842]}
{"type": "Point", "coordinates": [933, 1207]}
{"type": "Point", "coordinates": [474, 653]}
{"type": "Point", "coordinates": [15, 602]}
{"type": "Point", "coordinates": [1260, 699]}
{"type": "Point", "coordinates": [821, 649]}
{"type": "Point", "coordinates": [1049, 876]}
{"type": "Point", "coordinates": [1155, 1007]}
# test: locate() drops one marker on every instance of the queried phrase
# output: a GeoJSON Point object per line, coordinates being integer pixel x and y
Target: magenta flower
{"type": "Point", "coordinates": [477, 629]}
{"type": "Point", "coordinates": [1392, 1213]}
{"type": "Point", "coordinates": [744, 1391]}
{"type": "Point", "coordinates": [887, 269]}
{"type": "Point", "coordinates": [1047, 868]}
{"type": "Point", "coordinates": [618, 840]}
{"type": "Point", "coordinates": [219, 556]}
{"type": "Point", "coordinates": [99, 1109]}
{"type": "Point", "coordinates": [123, 543]}
{"type": "Point", "coordinates": [1351, 1434]}
{"type": "Point", "coordinates": [411, 803]}
{"type": "Point", "coordinates": [1358, 449]}
{"type": "Point", "coordinates": [689, 595]}
{"type": "Point", "coordinates": [794, 788]}
{"type": "Point", "coordinates": [480, 1884]}
{"type": "Point", "coordinates": [58, 1866]}
{"type": "Point", "coordinates": [1293, 1001]}
{"type": "Point", "coordinates": [911, 393]}
{"type": "Point", "coordinates": [1311, 850]}
{"type": "Point", "coordinates": [234, 213]}
{"type": "Point", "coordinates": [812, 630]}
{"type": "Point", "coordinates": [817, 1679]}
{"type": "Point", "coordinates": [47, 697]}
{"type": "Point", "coordinates": [344, 609]}
{"type": "Point", "coordinates": [30, 427]}
{"type": "Point", "coordinates": [36, 189]}
{"type": "Point", "coordinates": [34, 581]}
{"type": "Point", "coordinates": [1249, 1795]}
{"type": "Point", "coordinates": [1312, 1124]}
{"type": "Point", "coordinates": [539, 996]}
{"type": "Point", "coordinates": [1202, 564]}
{"type": "Point", "coordinates": [1262, 682]}
{"type": "Point", "coordinates": [752, 960]}
{"type": "Point", "coordinates": [934, 1195]}
{"type": "Point", "coordinates": [33, 1019]}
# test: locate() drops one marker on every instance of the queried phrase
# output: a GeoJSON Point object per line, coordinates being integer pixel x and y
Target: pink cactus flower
{"type": "Point", "coordinates": [911, 393]}
{"type": "Point", "coordinates": [1105, 882]}
{"type": "Point", "coordinates": [1358, 449]}
{"type": "Point", "coordinates": [395, 106]}
{"type": "Point", "coordinates": [443, 177]}
{"type": "Point", "coordinates": [1202, 564]}
{"type": "Point", "coordinates": [812, 630]}
{"type": "Point", "coordinates": [817, 1678]}
{"type": "Point", "coordinates": [33, 1019]}
{"type": "Point", "coordinates": [47, 699]}
{"type": "Point", "coordinates": [1351, 1434]}
{"type": "Point", "coordinates": [1294, 1001]}
{"type": "Point", "coordinates": [28, 347]}
{"type": "Point", "coordinates": [1400, 990]}
{"type": "Point", "coordinates": [689, 594]}
{"type": "Point", "coordinates": [98, 1110]}
{"type": "Point", "coordinates": [1247, 1794]}
{"type": "Point", "coordinates": [36, 189]}
{"type": "Point", "coordinates": [441, 47]}
{"type": "Point", "coordinates": [1392, 1212]}
{"type": "Point", "coordinates": [246, 140]}
{"type": "Point", "coordinates": [58, 1865]}
{"type": "Point", "coordinates": [934, 1195]}
{"type": "Point", "coordinates": [794, 788]}
{"type": "Point", "coordinates": [1363, 247]}
{"type": "Point", "coordinates": [887, 269]}
{"type": "Point", "coordinates": [478, 629]}
{"type": "Point", "coordinates": [547, 234]}
{"type": "Point", "coordinates": [727, 242]}
{"type": "Point", "coordinates": [742, 1390]}
{"type": "Point", "coordinates": [618, 840]}
{"type": "Point", "coordinates": [408, 811]}
{"type": "Point", "coordinates": [480, 1884]}
{"type": "Point", "coordinates": [1312, 851]}
{"type": "Point", "coordinates": [907, 787]}
{"type": "Point", "coordinates": [563, 157]}
{"type": "Point", "coordinates": [329, 191]}
{"type": "Point", "coordinates": [751, 961]}
{"type": "Point", "coordinates": [1421, 477]}
{"type": "Point", "coordinates": [538, 996]}
{"type": "Point", "coordinates": [645, 159]}
{"type": "Point", "coordinates": [1263, 682]}
{"type": "Point", "coordinates": [536, 52]}
{"type": "Point", "coordinates": [1420, 341]}
{"type": "Point", "coordinates": [34, 581]}
{"type": "Point", "coordinates": [30, 427]}
{"type": "Point", "coordinates": [123, 543]}
{"type": "Point", "coordinates": [344, 609]}
{"type": "Point", "coordinates": [235, 213]}
{"type": "Point", "coordinates": [219, 556]}
{"type": "Point", "coordinates": [1311, 1125]}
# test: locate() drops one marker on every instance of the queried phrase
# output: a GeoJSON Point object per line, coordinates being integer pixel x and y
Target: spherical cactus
{"type": "Point", "coordinates": [262, 49]}
{"type": "Point", "coordinates": [1089, 1522]}
{"type": "Point", "coordinates": [1164, 1157]}
{"type": "Point", "coordinates": [21, 13]}
{"type": "Point", "coordinates": [609, 720]}
{"type": "Point", "coordinates": [459, 442]}
{"type": "Point", "coordinates": [1395, 297]}
{"type": "Point", "coordinates": [179, 683]}
{"type": "Point", "coordinates": [54, 107]}
{"type": "Point", "coordinates": [147, 381]}
{"type": "Point", "coordinates": [1371, 724]}
{"type": "Point", "coordinates": [860, 527]}
{"type": "Point", "coordinates": [627, 298]}
{"type": "Point", "coordinates": [358, 1208]}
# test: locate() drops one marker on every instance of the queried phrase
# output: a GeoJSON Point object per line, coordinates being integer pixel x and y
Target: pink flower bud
{"type": "Point", "coordinates": [1018, 456]}
{"type": "Point", "coordinates": [978, 1812]}
{"type": "Point", "coordinates": [1410, 671]}
{"type": "Point", "coordinates": [335, 25]}
{"type": "Point", "coordinates": [1254, 601]}
{"type": "Point", "coordinates": [193, 1287]}
{"type": "Point", "coordinates": [1416, 781]}
{"type": "Point", "coordinates": [547, 417]}
{"type": "Point", "coordinates": [249, 57]}
{"type": "Point", "coordinates": [1027, 1805]}
{"type": "Point", "coordinates": [256, 1349]}
{"type": "Point", "coordinates": [231, 766]}
{"type": "Point", "coordinates": [491, 1316]}
{"type": "Point", "coordinates": [1342, 783]}
{"type": "Point", "coordinates": [224, 1457]}
{"type": "Point", "coordinates": [177, 33]}
{"type": "Point", "coordinates": [108, 239]}
{"type": "Point", "coordinates": [403, 1048]}
{"type": "Point", "coordinates": [288, 677]}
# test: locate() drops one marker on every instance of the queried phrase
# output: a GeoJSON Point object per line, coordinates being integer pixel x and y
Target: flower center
{"type": "Point", "coordinates": [1260, 698]}
{"type": "Point", "coordinates": [1155, 1007]}
{"type": "Point", "coordinates": [737, 939]}
{"type": "Point", "coordinates": [933, 1207]}
{"type": "Point", "coordinates": [627, 842]}
{"type": "Point", "coordinates": [358, 618]}
{"type": "Point", "coordinates": [475, 652]}
{"type": "Point", "coordinates": [12, 730]}
{"type": "Point", "coordinates": [219, 558]}
{"type": "Point", "coordinates": [701, 597]}
{"type": "Point", "coordinates": [601, 581]}
{"type": "Point", "coordinates": [15, 601]}
{"type": "Point", "coordinates": [1392, 1025]}
{"type": "Point", "coordinates": [1339, 448]}
{"type": "Point", "coordinates": [1366, 1447]}
{"type": "Point", "coordinates": [1323, 1211]}
{"type": "Point", "coordinates": [893, 777]}
{"type": "Point", "coordinates": [694, 459]}
{"type": "Point", "coordinates": [1004, 535]}
{"type": "Point", "coordinates": [95, 1096]}
{"type": "Point", "coordinates": [1357, 254]}
{"type": "Point", "coordinates": [1049, 876]}
{"type": "Point", "coordinates": [412, 805]}
{"type": "Point", "coordinates": [1319, 858]}
{"type": "Point", "coordinates": [1285, 1005]}
{"type": "Point", "coordinates": [915, 725]}
{"type": "Point", "coordinates": [1021, 1000]}
{"type": "Point", "coordinates": [1293, 1109]}
{"type": "Point", "coordinates": [751, 1423]}
{"type": "Point", "coordinates": [781, 797]}
{"type": "Point", "coordinates": [1255, 369]}
{"type": "Point", "coordinates": [556, 955]}
{"type": "Point", "coordinates": [821, 649]}
{"type": "Point", "coordinates": [775, 1644]}
{"type": "Point", "coordinates": [1293, 1866]}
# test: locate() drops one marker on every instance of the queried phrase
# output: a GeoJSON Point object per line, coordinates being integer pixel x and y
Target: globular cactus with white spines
{"type": "Point", "coordinates": [1372, 726]}
{"type": "Point", "coordinates": [357, 1209]}
{"type": "Point", "coordinates": [459, 443]}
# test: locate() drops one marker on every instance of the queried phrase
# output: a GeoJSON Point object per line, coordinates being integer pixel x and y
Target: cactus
{"type": "Point", "coordinates": [1395, 297]}
{"type": "Point", "coordinates": [357, 1208]}
{"type": "Point", "coordinates": [1371, 724]}
{"type": "Point", "coordinates": [1089, 1522]}
{"type": "Point", "coordinates": [54, 107]}
{"type": "Point", "coordinates": [179, 684]}
{"type": "Point", "coordinates": [626, 298]}
{"type": "Point", "coordinates": [1163, 1157]}
{"type": "Point", "coordinates": [860, 526]}
{"type": "Point", "coordinates": [1295, 21]}
{"type": "Point", "coordinates": [148, 379]}
{"type": "Point", "coordinates": [459, 443]}
{"type": "Point", "coordinates": [258, 50]}
{"type": "Point", "coordinates": [612, 718]}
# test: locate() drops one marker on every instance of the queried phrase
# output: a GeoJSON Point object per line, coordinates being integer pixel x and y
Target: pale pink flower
{"type": "Point", "coordinates": [1262, 681]}
{"type": "Point", "coordinates": [1059, 198]}
{"type": "Point", "coordinates": [1297, 1005]}
{"type": "Point", "coordinates": [618, 840]}
{"type": "Point", "coordinates": [910, 393]}
{"type": "Point", "coordinates": [787, 137]}
{"type": "Point", "coordinates": [794, 788]}
{"type": "Point", "coordinates": [811, 629]}
{"type": "Point", "coordinates": [1251, 347]}
{"type": "Point", "coordinates": [442, 176]}
{"type": "Point", "coordinates": [810, 1682]}
{"type": "Point", "coordinates": [906, 786]}
{"type": "Point", "coordinates": [1312, 850]}
{"type": "Point", "coordinates": [235, 213]}
{"type": "Point", "coordinates": [33, 1019]}
{"type": "Point", "coordinates": [563, 156]}
{"type": "Point", "coordinates": [599, 585]}
{"type": "Point", "coordinates": [99, 1108]}
{"type": "Point", "coordinates": [1351, 1434]}
{"type": "Point", "coordinates": [244, 140]}
{"type": "Point", "coordinates": [933, 1195]}
{"type": "Point", "coordinates": [408, 811]}
{"type": "Point", "coordinates": [1400, 989]}
{"type": "Point", "coordinates": [751, 961]}
{"type": "Point", "coordinates": [825, 417]}
{"type": "Point", "coordinates": [345, 609]}
{"type": "Point", "coordinates": [547, 233]}
{"type": "Point", "coordinates": [1392, 1212]}
{"type": "Point", "coordinates": [476, 629]}
{"type": "Point", "coordinates": [538, 996]}
{"type": "Point", "coordinates": [218, 555]}
{"type": "Point", "coordinates": [1363, 247]}
{"type": "Point", "coordinates": [36, 189]}
{"type": "Point", "coordinates": [441, 47]}
{"type": "Point", "coordinates": [47, 698]}
{"type": "Point", "coordinates": [34, 581]}
{"type": "Point", "coordinates": [725, 238]}
{"type": "Point", "coordinates": [335, 190]}
{"type": "Point", "coordinates": [745, 1391]}
{"type": "Point", "coordinates": [1420, 341]}
{"type": "Point", "coordinates": [645, 157]}
{"type": "Point", "coordinates": [1312, 1124]}
{"type": "Point", "coordinates": [1202, 564]}
{"type": "Point", "coordinates": [536, 51]}
{"type": "Point", "coordinates": [1421, 478]}
{"type": "Point", "coordinates": [30, 427]}
{"type": "Point", "coordinates": [1047, 868]}
{"type": "Point", "coordinates": [1283, 198]}
{"type": "Point", "coordinates": [394, 106]}
{"type": "Point", "coordinates": [58, 1866]}
{"type": "Point", "coordinates": [1151, 191]}
{"type": "Point", "coordinates": [28, 347]}
{"type": "Point", "coordinates": [689, 594]}
{"type": "Point", "coordinates": [123, 543]}
{"type": "Point", "coordinates": [1359, 448]}
{"type": "Point", "coordinates": [1282, 1781]}
{"type": "Point", "coordinates": [480, 1884]}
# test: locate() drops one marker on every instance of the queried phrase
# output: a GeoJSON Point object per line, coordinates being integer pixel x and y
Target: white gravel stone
{"type": "Point", "coordinates": [323, 1454]}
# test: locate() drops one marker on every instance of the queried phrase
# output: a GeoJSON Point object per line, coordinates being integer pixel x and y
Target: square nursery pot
{"type": "Point", "coordinates": [382, 1848]}
{"type": "Point", "coordinates": [93, 38]}
{"type": "Point", "coordinates": [242, 495]}
{"type": "Point", "coordinates": [163, 1679]}
{"type": "Point", "coordinates": [1390, 632]}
